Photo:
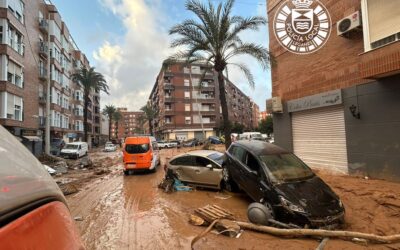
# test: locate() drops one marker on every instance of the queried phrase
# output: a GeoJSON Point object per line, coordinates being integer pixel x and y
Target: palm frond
{"type": "Point", "coordinates": [246, 71]}
{"type": "Point", "coordinates": [260, 53]}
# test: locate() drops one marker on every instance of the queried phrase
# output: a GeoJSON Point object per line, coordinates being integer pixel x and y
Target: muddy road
{"type": "Point", "coordinates": [130, 212]}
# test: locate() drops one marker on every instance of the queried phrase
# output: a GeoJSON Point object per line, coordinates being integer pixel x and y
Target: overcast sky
{"type": "Point", "coordinates": [126, 40]}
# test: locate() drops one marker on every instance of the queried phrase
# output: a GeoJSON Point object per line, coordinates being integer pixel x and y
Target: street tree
{"type": "Point", "coordinates": [150, 113]}
{"type": "Point", "coordinates": [266, 126]}
{"type": "Point", "coordinates": [117, 117]}
{"type": "Point", "coordinates": [214, 40]}
{"type": "Point", "coordinates": [91, 81]}
{"type": "Point", "coordinates": [109, 111]}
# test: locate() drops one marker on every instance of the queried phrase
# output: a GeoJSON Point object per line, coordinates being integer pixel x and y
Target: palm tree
{"type": "Point", "coordinates": [214, 40]}
{"type": "Point", "coordinates": [149, 114]}
{"type": "Point", "coordinates": [90, 81]}
{"type": "Point", "coordinates": [117, 117]}
{"type": "Point", "coordinates": [109, 111]}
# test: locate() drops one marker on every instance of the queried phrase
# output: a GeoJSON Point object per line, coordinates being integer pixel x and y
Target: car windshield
{"type": "Point", "coordinates": [71, 146]}
{"type": "Point", "coordinates": [217, 157]}
{"type": "Point", "coordinates": [256, 135]}
{"type": "Point", "coordinates": [109, 145]}
{"type": "Point", "coordinates": [137, 148]}
{"type": "Point", "coordinates": [286, 167]}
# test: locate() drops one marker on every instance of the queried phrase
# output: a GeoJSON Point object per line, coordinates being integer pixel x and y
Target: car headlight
{"type": "Point", "coordinates": [290, 206]}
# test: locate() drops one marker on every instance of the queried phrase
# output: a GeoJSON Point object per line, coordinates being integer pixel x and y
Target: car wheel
{"type": "Point", "coordinates": [260, 213]}
{"type": "Point", "coordinates": [229, 184]}
{"type": "Point", "coordinates": [126, 172]}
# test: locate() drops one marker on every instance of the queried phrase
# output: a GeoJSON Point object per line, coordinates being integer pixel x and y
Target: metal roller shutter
{"type": "Point", "coordinates": [319, 138]}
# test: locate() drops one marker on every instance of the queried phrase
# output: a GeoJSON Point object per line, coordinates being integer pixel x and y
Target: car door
{"type": "Point", "coordinates": [204, 175]}
{"type": "Point", "coordinates": [236, 164]}
{"type": "Point", "coordinates": [184, 168]}
{"type": "Point", "coordinates": [252, 176]}
{"type": "Point", "coordinates": [156, 155]}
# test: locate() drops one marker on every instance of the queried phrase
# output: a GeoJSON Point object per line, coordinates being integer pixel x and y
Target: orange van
{"type": "Point", "coordinates": [140, 153]}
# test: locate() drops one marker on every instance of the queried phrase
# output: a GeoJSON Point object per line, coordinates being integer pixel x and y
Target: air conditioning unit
{"type": "Point", "coordinates": [277, 105]}
{"type": "Point", "coordinates": [349, 23]}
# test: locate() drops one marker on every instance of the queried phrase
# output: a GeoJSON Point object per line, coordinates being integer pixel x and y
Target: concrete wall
{"type": "Point", "coordinates": [283, 129]}
{"type": "Point", "coordinates": [373, 142]}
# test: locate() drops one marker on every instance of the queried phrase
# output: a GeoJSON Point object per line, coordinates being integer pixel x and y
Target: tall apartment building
{"type": "Point", "coordinates": [128, 125]}
{"type": "Point", "coordinates": [341, 104]}
{"type": "Point", "coordinates": [186, 109]}
{"type": "Point", "coordinates": [24, 30]}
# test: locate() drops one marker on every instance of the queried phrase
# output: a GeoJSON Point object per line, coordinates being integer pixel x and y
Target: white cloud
{"type": "Point", "coordinates": [131, 66]}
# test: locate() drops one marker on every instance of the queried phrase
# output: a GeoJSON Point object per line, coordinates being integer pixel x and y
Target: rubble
{"type": "Point", "coordinates": [68, 188]}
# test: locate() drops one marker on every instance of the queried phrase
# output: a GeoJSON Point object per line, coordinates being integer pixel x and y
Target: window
{"type": "Point", "coordinates": [137, 148]}
{"type": "Point", "coordinates": [188, 120]}
{"type": "Point", "coordinates": [185, 160]}
{"type": "Point", "coordinates": [252, 162]}
{"type": "Point", "coordinates": [17, 8]}
{"type": "Point", "coordinates": [239, 153]}
{"type": "Point", "coordinates": [202, 162]}
{"type": "Point", "coordinates": [168, 120]}
{"type": "Point", "coordinates": [15, 74]}
{"type": "Point", "coordinates": [187, 95]}
{"type": "Point", "coordinates": [381, 22]}
{"type": "Point", "coordinates": [14, 107]}
{"type": "Point", "coordinates": [187, 107]}
{"type": "Point", "coordinates": [186, 82]}
{"type": "Point", "coordinates": [15, 40]}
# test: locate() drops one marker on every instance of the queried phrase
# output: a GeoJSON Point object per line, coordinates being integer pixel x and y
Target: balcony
{"type": "Point", "coordinates": [168, 86]}
{"type": "Point", "coordinates": [43, 25]}
{"type": "Point", "coordinates": [43, 74]}
{"type": "Point", "coordinates": [43, 49]}
{"type": "Point", "coordinates": [168, 74]}
{"type": "Point", "coordinates": [42, 121]}
{"type": "Point", "coordinates": [42, 98]}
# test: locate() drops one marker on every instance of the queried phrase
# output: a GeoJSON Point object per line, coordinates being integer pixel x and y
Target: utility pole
{"type": "Point", "coordinates": [48, 115]}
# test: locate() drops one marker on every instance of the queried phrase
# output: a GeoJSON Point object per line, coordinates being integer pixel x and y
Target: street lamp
{"type": "Point", "coordinates": [48, 115]}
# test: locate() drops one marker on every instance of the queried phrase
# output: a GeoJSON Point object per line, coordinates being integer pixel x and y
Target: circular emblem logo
{"type": "Point", "coordinates": [302, 26]}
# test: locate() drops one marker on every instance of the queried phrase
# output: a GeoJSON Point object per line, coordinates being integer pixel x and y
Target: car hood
{"type": "Point", "coordinates": [316, 197]}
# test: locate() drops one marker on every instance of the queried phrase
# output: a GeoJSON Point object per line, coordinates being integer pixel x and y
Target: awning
{"type": "Point", "coordinates": [32, 138]}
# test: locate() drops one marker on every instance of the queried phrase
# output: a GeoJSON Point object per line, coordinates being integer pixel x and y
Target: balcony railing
{"type": "Point", "coordinates": [43, 49]}
{"type": "Point", "coordinates": [43, 25]}
{"type": "Point", "coordinates": [42, 121]}
{"type": "Point", "coordinates": [43, 73]}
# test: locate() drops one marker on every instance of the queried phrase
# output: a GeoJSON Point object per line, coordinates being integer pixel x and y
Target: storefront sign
{"type": "Point", "coordinates": [325, 99]}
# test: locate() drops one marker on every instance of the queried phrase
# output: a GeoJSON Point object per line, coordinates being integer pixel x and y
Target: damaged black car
{"type": "Point", "coordinates": [286, 189]}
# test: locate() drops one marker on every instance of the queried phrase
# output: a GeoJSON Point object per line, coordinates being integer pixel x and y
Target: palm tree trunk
{"type": "Point", "coordinates": [85, 117]}
{"type": "Point", "coordinates": [109, 127]}
{"type": "Point", "coordinates": [151, 127]}
{"type": "Point", "coordinates": [224, 107]}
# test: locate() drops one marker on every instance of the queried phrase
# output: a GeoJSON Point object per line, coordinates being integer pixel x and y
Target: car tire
{"type": "Point", "coordinates": [258, 213]}
{"type": "Point", "coordinates": [126, 172]}
{"type": "Point", "coordinates": [229, 184]}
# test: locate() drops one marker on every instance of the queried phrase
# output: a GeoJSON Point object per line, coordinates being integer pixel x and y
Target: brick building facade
{"type": "Point", "coordinates": [129, 124]}
{"type": "Point", "coordinates": [186, 109]}
{"type": "Point", "coordinates": [341, 103]}
{"type": "Point", "coordinates": [26, 26]}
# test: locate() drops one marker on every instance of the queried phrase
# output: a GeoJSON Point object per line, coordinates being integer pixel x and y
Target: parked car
{"type": "Point", "coordinates": [214, 140]}
{"type": "Point", "coordinates": [75, 150]}
{"type": "Point", "coordinates": [56, 145]}
{"type": "Point", "coordinates": [33, 212]}
{"type": "Point", "coordinates": [176, 143]}
{"type": "Point", "coordinates": [251, 136]}
{"type": "Point", "coordinates": [192, 143]}
{"type": "Point", "coordinates": [164, 144]}
{"type": "Point", "coordinates": [284, 184]}
{"type": "Point", "coordinates": [109, 147]}
{"type": "Point", "coordinates": [200, 168]}
{"type": "Point", "coordinates": [140, 153]}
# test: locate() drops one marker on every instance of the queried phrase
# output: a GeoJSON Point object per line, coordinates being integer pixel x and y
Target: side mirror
{"type": "Point", "coordinates": [209, 166]}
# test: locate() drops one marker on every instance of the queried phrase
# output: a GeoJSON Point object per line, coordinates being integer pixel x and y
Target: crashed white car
{"type": "Point", "coordinates": [110, 147]}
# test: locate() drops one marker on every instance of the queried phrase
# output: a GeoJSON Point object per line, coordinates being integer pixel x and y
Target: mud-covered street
{"type": "Point", "coordinates": [114, 211]}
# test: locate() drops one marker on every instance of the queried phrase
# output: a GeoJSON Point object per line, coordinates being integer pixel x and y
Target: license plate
{"type": "Point", "coordinates": [131, 165]}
